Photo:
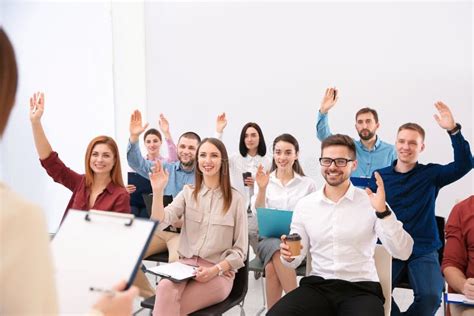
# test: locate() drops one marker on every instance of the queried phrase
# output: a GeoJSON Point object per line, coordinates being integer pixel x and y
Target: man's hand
{"type": "Point", "coordinates": [285, 250]}
{"type": "Point", "coordinates": [444, 117]}
{"type": "Point", "coordinates": [377, 199]}
{"type": "Point", "coordinates": [136, 126]}
{"type": "Point", "coordinates": [221, 123]}
{"type": "Point", "coordinates": [329, 100]}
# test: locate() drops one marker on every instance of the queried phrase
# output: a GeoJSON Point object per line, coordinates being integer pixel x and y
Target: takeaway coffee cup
{"type": "Point", "coordinates": [294, 241]}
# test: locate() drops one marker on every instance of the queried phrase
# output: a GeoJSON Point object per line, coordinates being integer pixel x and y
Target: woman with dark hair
{"type": "Point", "coordinates": [281, 188]}
{"type": "Point", "coordinates": [213, 236]}
{"type": "Point", "coordinates": [243, 166]}
{"type": "Point", "coordinates": [101, 188]}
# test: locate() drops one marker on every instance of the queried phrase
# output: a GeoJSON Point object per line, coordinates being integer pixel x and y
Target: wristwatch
{"type": "Point", "coordinates": [383, 214]}
{"type": "Point", "coordinates": [455, 130]}
{"type": "Point", "coordinates": [221, 271]}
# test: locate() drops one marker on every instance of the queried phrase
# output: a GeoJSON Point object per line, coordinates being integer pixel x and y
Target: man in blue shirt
{"type": "Point", "coordinates": [411, 190]}
{"type": "Point", "coordinates": [180, 172]}
{"type": "Point", "coordinates": [372, 153]}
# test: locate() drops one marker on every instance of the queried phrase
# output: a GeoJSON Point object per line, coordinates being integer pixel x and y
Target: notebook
{"type": "Point", "coordinates": [457, 299]}
{"type": "Point", "coordinates": [273, 222]}
{"type": "Point", "coordinates": [175, 271]}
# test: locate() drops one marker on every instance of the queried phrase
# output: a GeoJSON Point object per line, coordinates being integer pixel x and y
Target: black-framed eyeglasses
{"type": "Point", "coordinates": [339, 162]}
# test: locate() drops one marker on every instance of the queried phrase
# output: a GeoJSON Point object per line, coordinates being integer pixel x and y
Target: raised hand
{"type": "Point", "coordinates": [158, 177]}
{"type": "Point", "coordinates": [36, 106]}
{"type": "Point", "coordinates": [136, 125]}
{"type": "Point", "coordinates": [444, 117]}
{"type": "Point", "coordinates": [329, 100]}
{"type": "Point", "coordinates": [262, 177]}
{"type": "Point", "coordinates": [377, 199]}
{"type": "Point", "coordinates": [221, 123]}
{"type": "Point", "coordinates": [164, 125]}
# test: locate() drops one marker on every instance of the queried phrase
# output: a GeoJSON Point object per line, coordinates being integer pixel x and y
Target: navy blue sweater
{"type": "Point", "coordinates": [412, 195]}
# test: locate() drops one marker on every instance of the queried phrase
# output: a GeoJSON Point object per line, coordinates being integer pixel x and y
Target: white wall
{"type": "Point", "coordinates": [271, 62]}
{"type": "Point", "coordinates": [266, 62]}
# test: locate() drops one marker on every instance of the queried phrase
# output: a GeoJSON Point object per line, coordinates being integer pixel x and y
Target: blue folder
{"type": "Point", "coordinates": [273, 222]}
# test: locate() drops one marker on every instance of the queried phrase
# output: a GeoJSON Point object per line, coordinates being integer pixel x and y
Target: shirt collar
{"type": "Point", "coordinates": [178, 167]}
{"type": "Point", "coordinates": [376, 145]}
{"type": "Point", "coordinates": [111, 187]}
{"type": "Point", "coordinates": [348, 195]}
{"type": "Point", "coordinates": [205, 190]}
{"type": "Point", "coordinates": [296, 177]}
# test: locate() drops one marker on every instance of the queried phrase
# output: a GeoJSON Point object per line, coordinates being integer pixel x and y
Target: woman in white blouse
{"type": "Point", "coordinates": [281, 188]}
{"type": "Point", "coordinates": [214, 234]}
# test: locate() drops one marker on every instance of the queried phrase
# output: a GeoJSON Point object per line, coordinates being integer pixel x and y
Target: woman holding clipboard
{"type": "Point", "coordinates": [281, 188]}
{"type": "Point", "coordinates": [214, 236]}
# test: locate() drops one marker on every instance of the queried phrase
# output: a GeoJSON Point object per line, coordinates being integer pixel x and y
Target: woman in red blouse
{"type": "Point", "coordinates": [101, 188]}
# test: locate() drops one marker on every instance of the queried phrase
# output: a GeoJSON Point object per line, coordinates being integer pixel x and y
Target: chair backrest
{"type": "Point", "coordinates": [148, 199]}
{"type": "Point", "coordinates": [383, 264]}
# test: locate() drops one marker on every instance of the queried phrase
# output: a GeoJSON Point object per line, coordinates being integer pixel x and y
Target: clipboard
{"type": "Point", "coordinates": [273, 222]}
{"type": "Point", "coordinates": [96, 249]}
{"type": "Point", "coordinates": [455, 298]}
{"type": "Point", "coordinates": [175, 271]}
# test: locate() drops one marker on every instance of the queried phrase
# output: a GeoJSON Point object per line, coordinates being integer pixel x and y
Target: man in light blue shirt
{"type": "Point", "coordinates": [372, 152]}
{"type": "Point", "coordinates": [180, 172]}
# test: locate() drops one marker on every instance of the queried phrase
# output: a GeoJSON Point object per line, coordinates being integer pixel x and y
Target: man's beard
{"type": "Point", "coordinates": [368, 136]}
{"type": "Point", "coordinates": [188, 163]}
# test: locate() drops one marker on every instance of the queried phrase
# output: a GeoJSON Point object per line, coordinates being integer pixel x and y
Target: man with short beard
{"type": "Point", "coordinates": [372, 152]}
{"type": "Point", "coordinates": [181, 172]}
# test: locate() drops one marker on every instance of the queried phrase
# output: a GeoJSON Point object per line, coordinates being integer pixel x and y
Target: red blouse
{"type": "Point", "coordinates": [114, 198]}
{"type": "Point", "coordinates": [459, 249]}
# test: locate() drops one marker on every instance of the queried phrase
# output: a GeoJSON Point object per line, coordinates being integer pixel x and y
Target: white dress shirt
{"type": "Point", "coordinates": [342, 236]}
{"type": "Point", "coordinates": [239, 165]}
{"type": "Point", "coordinates": [285, 197]}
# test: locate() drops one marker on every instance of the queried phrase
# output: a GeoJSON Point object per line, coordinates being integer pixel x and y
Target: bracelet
{"type": "Point", "coordinates": [456, 129]}
{"type": "Point", "coordinates": [221, 271]}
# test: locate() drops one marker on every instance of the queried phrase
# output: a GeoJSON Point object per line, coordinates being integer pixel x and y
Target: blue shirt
{"type": "Point", "coordinates": [412, 195]}
{"type": "Point", "coordinates": [178, 177]}
{"type": "Point", "coordinates": [380, 156]}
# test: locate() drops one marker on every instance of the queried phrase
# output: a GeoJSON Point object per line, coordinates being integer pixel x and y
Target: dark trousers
{"type": "Point", "coordinates": [317, 296]}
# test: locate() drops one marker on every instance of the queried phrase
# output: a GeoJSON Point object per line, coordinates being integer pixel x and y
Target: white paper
{"type": "Point", "coordinates": [458, 298]}
{"type": "Point", "coordinates": [176, 270]}
{"type": "Point", "coordinates": [96, 253]}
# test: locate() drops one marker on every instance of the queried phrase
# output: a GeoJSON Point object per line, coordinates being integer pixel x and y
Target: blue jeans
{"type": "Point", "coordinates": [424, 274]}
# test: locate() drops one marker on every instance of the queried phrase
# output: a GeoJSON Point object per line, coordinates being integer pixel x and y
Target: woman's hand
{"type": "Point", "coordinates": [158, 177]}
{"type": "Point", "coordinates": [36, 107]}
{"type": "Point", "coordinates": [262, 177]}
{"type": "Point", "coordinates": [130, 188]}
{"type": "Point", "coordinates": [204, 275]}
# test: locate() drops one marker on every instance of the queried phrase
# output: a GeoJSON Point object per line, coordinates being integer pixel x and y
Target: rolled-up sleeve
{"type": "Point", "coordinates": [238, 253]}
{"type": "Point", "coordinates": [175, 209]}
{"type": "Point", "coordinates": [297, 227]}
{"type": "Point", "coordinates": [60, 173]}
{"type": "Point", "coordinates": [136, 161]}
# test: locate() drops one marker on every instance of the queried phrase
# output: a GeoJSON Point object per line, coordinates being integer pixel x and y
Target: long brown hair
{"type": "Point", "coordinates": [8, 79]}
{"type": "Point", "coordinates": [116, 172]}
{"type": "Point", "coordinates": [288, 138]}
{"type": "Point", "coordinates": [224, 179]}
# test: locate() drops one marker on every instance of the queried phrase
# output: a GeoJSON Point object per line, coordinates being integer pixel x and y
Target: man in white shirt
{"type": "Point", "coordinates": [339, 225]}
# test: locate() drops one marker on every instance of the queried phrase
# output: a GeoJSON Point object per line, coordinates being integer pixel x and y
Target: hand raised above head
{"type": "Point", "coordinates": [221, 122]}
{"type": "Point", "coordinates": [164, 124]}
{"type": "Point", "coordinates": [329, 100]}
{"type": "Point", "coordinates": [36, 106]}
{"type": "Point", "coordinates": [444, 117]}
{"type": "Point", "coordinates": [136, 125]}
